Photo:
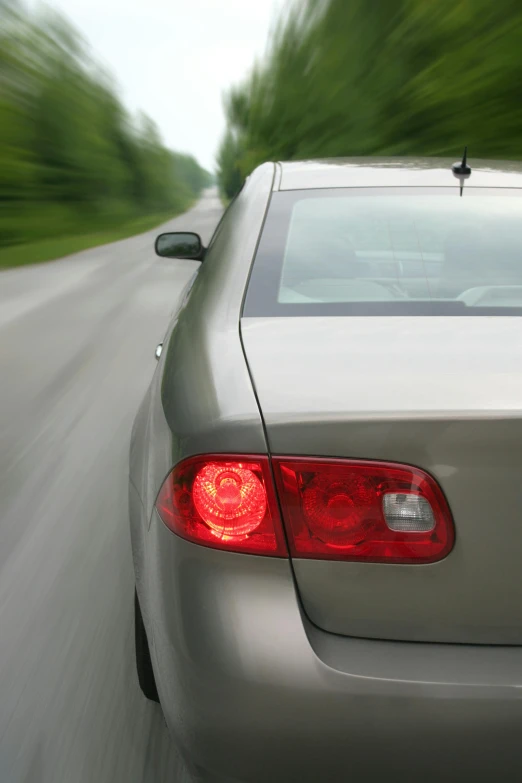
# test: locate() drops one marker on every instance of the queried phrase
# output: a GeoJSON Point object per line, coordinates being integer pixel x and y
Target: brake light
{"type": "Point", "coordinates": [332, 509]}
{"type": "Point", "coordinates": [363, 511]}
{"type": "Point", "coordinates": [224, 502]}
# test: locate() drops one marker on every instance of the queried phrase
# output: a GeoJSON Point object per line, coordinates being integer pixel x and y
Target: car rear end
{"type": "Point", "coordinates": [340, 596]}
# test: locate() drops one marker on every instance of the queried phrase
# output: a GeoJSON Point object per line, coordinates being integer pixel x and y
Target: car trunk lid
{"type": "Point", "coordinates": [443, 394]}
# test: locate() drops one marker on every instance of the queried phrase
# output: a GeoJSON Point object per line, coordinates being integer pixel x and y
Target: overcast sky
{"type": "Point", "coordinates": [174, 58]}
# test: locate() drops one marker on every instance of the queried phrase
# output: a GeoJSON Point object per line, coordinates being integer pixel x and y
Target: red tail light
{"type": "Point", "coordinates": [224, 502]}
{"type": "Point", "coordinates": [364, 511]}
{"type": "Point", "coordinates": [332, 509]}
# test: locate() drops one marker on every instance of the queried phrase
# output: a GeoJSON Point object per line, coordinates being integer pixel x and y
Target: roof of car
{"type": "Point", "coordinates": [395, 172]}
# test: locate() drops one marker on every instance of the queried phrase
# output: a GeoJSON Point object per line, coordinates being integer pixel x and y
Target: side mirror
{"type": "Point", "coordinates": [179, 245]}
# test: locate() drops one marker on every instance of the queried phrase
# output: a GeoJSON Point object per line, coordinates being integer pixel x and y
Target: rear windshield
{"type": "Point", "coordinates": [389, 251]}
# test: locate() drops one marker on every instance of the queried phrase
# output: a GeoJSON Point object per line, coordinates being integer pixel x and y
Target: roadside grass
{"type": "Point", "coordinates": [60, 246]}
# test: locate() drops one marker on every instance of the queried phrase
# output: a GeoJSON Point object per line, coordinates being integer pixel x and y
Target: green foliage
{"type": "Point", "coordinates": [229, 157]}
{"type": "Point", "coordinates": [71, 159]}
{"type": "Point", "coordinates": [392, 77]}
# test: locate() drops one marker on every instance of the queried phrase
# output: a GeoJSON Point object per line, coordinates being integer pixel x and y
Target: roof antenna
{"type": "Point", "coordinates": [462, 170]}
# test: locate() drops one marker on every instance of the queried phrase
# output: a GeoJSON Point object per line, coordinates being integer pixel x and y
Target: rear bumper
{"type": "Point", "coordinates": [253, 692]}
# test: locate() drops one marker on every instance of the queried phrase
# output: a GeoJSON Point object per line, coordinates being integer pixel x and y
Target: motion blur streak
{"type": "Point", "coordinates": [386, 77]}
{"type": "Point", "coordinates": [77, 340]}
{"type": "Point", "coordinates": [73, 161]}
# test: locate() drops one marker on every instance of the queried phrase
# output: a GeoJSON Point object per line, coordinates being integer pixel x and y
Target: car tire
{"type": "Point", "coordinates": [143, 660]}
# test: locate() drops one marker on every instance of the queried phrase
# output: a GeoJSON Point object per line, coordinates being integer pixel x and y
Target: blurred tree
{"type": "Point", "coordinates": [229, 160]}
{"type": "Point", "coordinates": [71, 159]}
{"type": "Point", "coordinates": [362, 77]}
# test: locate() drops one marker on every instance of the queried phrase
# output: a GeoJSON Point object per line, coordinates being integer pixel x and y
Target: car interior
{"type": "Point", "coordinates": [408, 261]}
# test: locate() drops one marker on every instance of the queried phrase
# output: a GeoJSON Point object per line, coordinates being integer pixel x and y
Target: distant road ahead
{"type": "Point", "coordinates": [77, 340]}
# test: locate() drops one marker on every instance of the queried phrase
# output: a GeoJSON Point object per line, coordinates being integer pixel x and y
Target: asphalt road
{"type": "Point", "coordinates": [77, 340]}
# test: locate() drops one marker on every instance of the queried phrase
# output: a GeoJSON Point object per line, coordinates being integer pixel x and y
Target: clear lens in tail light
{"type": "Point", "coordinates": [363, 511]}
{"type": "Point", "coordinates": [224, 502]}
{"type": "Point", "coordinates": [407, 513]}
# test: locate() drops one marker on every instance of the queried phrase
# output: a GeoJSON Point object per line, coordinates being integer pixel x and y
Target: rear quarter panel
{"type": "Point", "coordinates": [201, 398]}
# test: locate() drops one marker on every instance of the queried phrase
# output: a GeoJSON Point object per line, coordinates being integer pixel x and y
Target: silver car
{"type": "Point", "coordinates": [326, 480]}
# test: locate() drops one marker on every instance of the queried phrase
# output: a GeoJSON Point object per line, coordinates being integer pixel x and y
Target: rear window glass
{"type": "Point", "coordinates": [389, 251]}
